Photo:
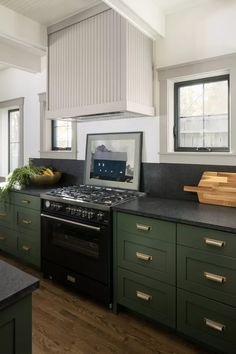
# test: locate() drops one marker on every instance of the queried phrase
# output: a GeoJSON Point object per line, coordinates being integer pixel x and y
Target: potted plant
{"type": "Point", "coordinates": [23, 176]}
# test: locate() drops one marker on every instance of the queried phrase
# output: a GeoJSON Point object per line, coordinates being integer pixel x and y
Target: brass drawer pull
{"type": "Point", "coordinates": [143, 296]}
{"type": "Point", "coordinates": [3, 215]}
{"type": "Point", "coordinates": [143, 227]}
{"type": "Point", "coordinates": [71, 278]}
{"type": "Point", "coordinates": [216, 243]}
{"type": "Point", "coordinates": [2, 238]}
{"type": "Point", "coordinates": [214, 277]}
{"type": "Point", "coordinates": [24, 201]}
{"type": "Point", "coordinates": [214, 325]}
{"type": "Point", "coordinates": [143, 257]}
{"type": "Point", "coordinates": [27, 222]}
{"type": "Point", "coordinates": [26, 248]}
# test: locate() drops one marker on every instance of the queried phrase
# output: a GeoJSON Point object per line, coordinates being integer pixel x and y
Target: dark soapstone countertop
{"type": "Point", "coordinates": [14, 284]}
{"type": "Point", "coordinates": [187, 212]}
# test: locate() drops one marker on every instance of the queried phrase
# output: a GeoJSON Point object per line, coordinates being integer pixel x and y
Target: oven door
{"type": "Point", "coordinates": [81, 247]}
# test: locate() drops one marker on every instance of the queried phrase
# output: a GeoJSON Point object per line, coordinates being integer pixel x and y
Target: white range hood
{"type": "Point", "coordinates": [99, 67]}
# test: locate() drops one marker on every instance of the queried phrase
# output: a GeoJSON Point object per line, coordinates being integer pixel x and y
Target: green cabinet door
{"type": "Point", "coordinates": [29, 247]}
{"type": "Point", "coordinates": [208, 240]}
{"type": "Point", "coordinates": [28, 219]}
{"type": "Point", "coordinates": [7, 214]}
{"type": "Point", "coordinates": [8, 240]}
{"type": "Point", "coordinates": [27, 201]}
{"type": "Point", "coordinates": [16, 328]}
{"type": "Point", "coordinates": [150, 257]}
{"type": "Point", "coordinates": [147, 227]}
{"type": "Point", "coordinates": [207, 274]}
{"type": "Point", "coordinates": [146, 296]}
{"type": "Point", "coordinates": [207, 321]}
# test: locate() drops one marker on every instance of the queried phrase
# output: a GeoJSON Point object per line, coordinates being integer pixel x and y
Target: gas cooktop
{"type": "Point", "coordinates": [92, 195]}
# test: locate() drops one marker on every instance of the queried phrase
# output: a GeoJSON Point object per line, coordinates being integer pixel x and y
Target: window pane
{"type": "Point", "coordinates": [191, 131]}
{"type": "Point", "coordinates": [202, 114]}
{"type": "Point", "coordinates": [14, 139]}
{"type": "Point", "coordinates": [216, 98]}
{"type": "Point", "coordinates": [14, 156]}
{"type": "Point", "coordinates": [62, 135]}
{"type": "Point", "coordinates": [191, 98]}
{"type": "Point", "coordinates": [14, 126]}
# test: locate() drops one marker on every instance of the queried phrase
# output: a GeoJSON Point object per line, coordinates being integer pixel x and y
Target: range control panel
{"type": "Point", "coordinates": [75, 212]}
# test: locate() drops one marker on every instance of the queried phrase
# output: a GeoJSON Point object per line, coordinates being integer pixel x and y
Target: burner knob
{"type": "Point", "coordinates": [73, 211]}
{"type": "Point", "coordinates": [68, 209]}
{"type": "Point", "coordinates": [47, 204]}
{"type": "Point", "coordinates": [84, 213]}
{"type": "Point", "coordinates": [58, 207]}
{"type": "Point", "coordinates": [100, 216]}
{"type": "Point", "coordinates": [78, 212]}
{"type": "Point", "coordinates": [90, 214]}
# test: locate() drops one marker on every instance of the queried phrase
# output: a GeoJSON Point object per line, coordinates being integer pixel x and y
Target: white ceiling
{"type": "Point", "coordinates": [171, 6]}
{"type": "Point", "coordinates": [48, 12]}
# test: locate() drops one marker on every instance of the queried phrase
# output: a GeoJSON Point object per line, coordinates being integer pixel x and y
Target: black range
{"type": "Point", "coordinates": [77, 237]}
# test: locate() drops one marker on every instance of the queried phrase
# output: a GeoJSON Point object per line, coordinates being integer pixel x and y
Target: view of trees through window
{"type": "Point", "coordinates": [202, 117]}
{"type": "Point", "coordinates": [61, 135]}
{"type": "Point", "coordinates": [14, 139]}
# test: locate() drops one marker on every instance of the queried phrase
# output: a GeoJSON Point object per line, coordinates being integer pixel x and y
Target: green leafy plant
{"type": "Point", "coordinates": [21, 176]}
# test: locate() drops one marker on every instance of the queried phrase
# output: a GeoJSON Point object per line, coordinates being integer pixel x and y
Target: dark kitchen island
{"type": "Point", "coordinates": [16, 289]}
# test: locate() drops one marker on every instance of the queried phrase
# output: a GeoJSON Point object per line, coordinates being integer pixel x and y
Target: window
{"type": "Point", "coordinates": [202, 114]}
{"type": "Point", "coordinates": [14, 139]}
{"type": "Point", "coordinates": [61, 135]}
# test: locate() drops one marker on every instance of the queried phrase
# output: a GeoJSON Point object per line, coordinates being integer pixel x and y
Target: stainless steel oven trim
{"type": "Point", "coordinates": [98, 229]}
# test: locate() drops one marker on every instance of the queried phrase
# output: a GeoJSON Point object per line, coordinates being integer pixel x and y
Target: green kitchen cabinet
{"type": "Point", "coordinates": [144, 266]}
{"type": "Point", "coordinates": [147, 296]}
{"type": "Point", "coordinates": [179, 275]}
{"type": "Point", "coordinates": [207, 321]}
{"type": "Point", "coordinates": [20, 227]}
{"type": "Point", "coordinates": [16, 328]}
{"type": "Point", "coordinates": [207, 274]}
{"type": "Point", "coordinates": [8, 240]}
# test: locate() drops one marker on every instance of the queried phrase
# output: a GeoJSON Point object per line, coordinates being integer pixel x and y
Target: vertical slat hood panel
{"type": "Point", "coordinates": [98, 66]}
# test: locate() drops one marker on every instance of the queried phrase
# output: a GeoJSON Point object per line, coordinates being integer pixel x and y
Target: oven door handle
{"type": "Point", "coordinates": [72, 222]}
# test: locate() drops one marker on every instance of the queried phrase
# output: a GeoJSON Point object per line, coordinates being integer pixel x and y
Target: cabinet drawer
{"type": "Point", "coordinates": [207, 274]}
{"type": "Point", "coordinates": [214, 241]}
{"type": "Point", "coordinates": [27, 201]}
{"type": "Point", "coordinates": [148, 297]}
{"type": "Point", "coordinates": [8, 240]}
{"type": "Point", "coordinates": [206, 320]}
{"type": "Point", "coordinates": [152, 258]}
{"type": "Point", "coordinates": [28, 219]}
{"type": "Point", "coordinates": [6, 214]}
{"type": "Point", "coordinates": [161, 230]}
{"type": "Point", "coordinates": [29, 247]}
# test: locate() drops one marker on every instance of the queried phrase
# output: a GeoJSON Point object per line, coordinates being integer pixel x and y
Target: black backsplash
{"type": "Point", "coordinates": [157, 179]}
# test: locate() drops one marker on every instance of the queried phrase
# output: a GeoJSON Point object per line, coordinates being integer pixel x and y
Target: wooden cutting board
{"type": "Point", "coordinates": [217, 188]}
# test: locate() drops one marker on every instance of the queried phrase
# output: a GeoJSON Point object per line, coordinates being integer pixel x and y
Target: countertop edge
{"type": "Point", "coordinates": [13, 298]}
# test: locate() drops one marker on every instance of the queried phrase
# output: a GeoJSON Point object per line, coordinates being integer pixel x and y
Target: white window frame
{"type": "Point", "coordinates": [197, 70]}
{"type": "Point", "coordinates": [46, 136]}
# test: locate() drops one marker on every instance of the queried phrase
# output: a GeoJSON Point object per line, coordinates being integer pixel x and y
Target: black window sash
{"type": "Point", "coordinates": [176, 130]}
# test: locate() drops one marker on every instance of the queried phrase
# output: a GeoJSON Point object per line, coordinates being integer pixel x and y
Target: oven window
{"type": "Point", "coordinates": [75, 240]}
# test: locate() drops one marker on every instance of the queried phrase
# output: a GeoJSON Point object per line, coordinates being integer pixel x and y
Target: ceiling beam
{"type": "Point", "coordinates": [21, 30]}
{"type": "Point", "coordinates": [16, 56]}
{"type": "Point", "coordinates": [146, 15]}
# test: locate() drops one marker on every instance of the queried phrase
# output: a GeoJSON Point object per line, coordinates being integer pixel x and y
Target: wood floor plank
{"type": "Point", "coordinates": [65, 322]}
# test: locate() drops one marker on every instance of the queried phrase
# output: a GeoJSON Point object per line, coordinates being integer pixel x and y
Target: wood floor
{"type": "Point", "coordinates": [66, 323]}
